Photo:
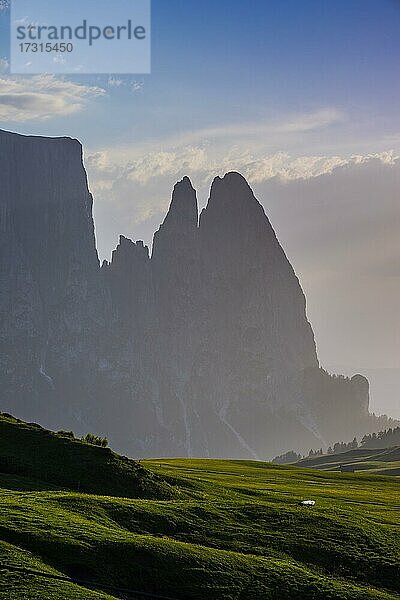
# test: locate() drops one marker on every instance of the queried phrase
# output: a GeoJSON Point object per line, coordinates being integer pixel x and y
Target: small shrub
{"type": "Point", "coordinates": [96, 440]}
{"type": "Point", "coordinates": [68, 434]}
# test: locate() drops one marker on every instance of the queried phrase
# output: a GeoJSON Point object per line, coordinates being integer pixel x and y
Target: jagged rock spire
{"type": "Point", "coordinates": [183, 209]}
{"type": "Point", "coordinates": [176, 234]}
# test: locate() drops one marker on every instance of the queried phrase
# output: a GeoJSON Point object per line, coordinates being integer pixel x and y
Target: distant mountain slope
{"type": "Point", "coordinates": [29, 451]}
{"type": "Point", "coordinates": [380, 461]}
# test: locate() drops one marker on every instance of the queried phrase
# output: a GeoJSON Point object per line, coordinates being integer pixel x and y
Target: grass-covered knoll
{"type": "Point", "coordinates": [231, 530]}
{"type": "Point", "coordinates": [380, 461]}
{"type": "Point", "coordinates": [29, 451]}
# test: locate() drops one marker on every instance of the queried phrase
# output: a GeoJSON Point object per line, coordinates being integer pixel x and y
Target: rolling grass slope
{"type": "Point", "coordinates": [202, 529]}
{"type": "Point", "coordinates": [28, 450]}
{"type": "Point", "coordinates": [383, 461]}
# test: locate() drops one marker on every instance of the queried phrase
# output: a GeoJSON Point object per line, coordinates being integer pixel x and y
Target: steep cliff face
{"type": "Point", "coordinates": [257, 332]}
{"type": "Point", "coordinates": [127, 382]}
{"type": "Point", "coordinates": [201, 349]}
{"type": "Point", "coordinates": [50, 302]}
{"type": "Point", "coordinates": [175, 264]}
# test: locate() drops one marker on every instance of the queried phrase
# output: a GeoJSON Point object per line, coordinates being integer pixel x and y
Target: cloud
{"type": "Point", "coordinates": [290, 126]}
{"type": "Point", "coordinates": [213, 151]}
{"type": "Point", "coordinates": [201, 161]}
{"type": "Point", "coordinates": [4, 65]}
{"type": "Point", "coordinates": [119, 82]}
{"type": "Point", "coordinates": [136, 86]}
{"type": "Point", "coordinates": [132, 191]}
{"type": "Point", "coordinates": [289, 168]}
{"type": "Point", "coordinates": [43, 97]}
{"type": "Point", "coordinates": [59, 59]}
{"type": "Point", "coordinates": [312, 121]}
{"type": "Point", "coordinates": [115, 82]}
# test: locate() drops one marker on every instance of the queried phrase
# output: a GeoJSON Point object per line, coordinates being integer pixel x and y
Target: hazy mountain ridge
{"type": "Point", "coordinates": [376, 461]}
{"type": "Point", "coordinates": [202, 349]}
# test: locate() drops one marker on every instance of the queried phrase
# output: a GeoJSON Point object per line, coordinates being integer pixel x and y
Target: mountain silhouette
{"type": "Point", "coordinates": [200, 348]}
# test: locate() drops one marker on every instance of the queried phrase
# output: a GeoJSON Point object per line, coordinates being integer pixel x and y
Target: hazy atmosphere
{"type": "Point", "coordinates": [303, 100]}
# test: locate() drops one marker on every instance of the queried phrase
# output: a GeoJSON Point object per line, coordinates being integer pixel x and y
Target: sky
{"type": "Point", "coordinates": [302, 98]}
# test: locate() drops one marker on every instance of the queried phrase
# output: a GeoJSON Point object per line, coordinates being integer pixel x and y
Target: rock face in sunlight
{"type": "Point", "coordinates": [202, 349]}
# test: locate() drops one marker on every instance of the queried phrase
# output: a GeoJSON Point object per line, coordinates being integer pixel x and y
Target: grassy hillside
{"type": "Point", "coordinates": [28, 450]}
{"type": "Point", "coordinates": [230, 530]}
{"type": "Point", "coordinates": [383, 461]}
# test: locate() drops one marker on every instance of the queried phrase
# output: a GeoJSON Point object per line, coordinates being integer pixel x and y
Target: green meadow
{"type": "Point", "coordinates": [187, 529]}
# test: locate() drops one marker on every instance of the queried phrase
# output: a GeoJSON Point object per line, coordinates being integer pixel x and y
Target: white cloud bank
{"type": "Point", "coordinates": [132, 191]}
{"type": "Point", "coordinates": [42, 97]}
{"type": "Point", "coordinates": [108, 166]}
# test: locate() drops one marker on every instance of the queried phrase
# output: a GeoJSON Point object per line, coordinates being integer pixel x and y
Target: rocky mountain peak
{"type": "Point", "coordinates": [233, 180]}
{"type": "Point", "coordinates": [233, 207]}
{"type": "Point", "coordinates": [178, 231]}
{"type": "Point", "coordinates": [183, 210]}
{"type": "Point", "coordinates": [203, 350]}
{"type": "Point", "coordinates": [232, 189]}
